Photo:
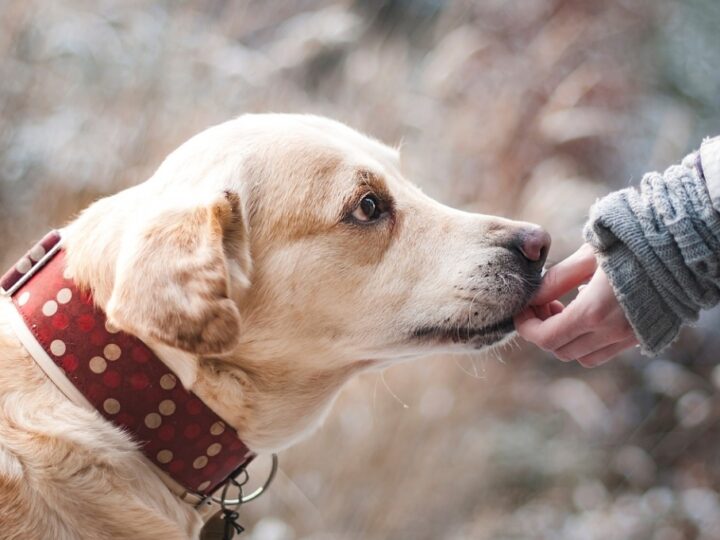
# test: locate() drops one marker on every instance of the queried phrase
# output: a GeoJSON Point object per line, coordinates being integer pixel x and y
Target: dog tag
{"type": "Point", "coordinates": [214, 529]}
{"type": "Point", "coordinates": [222, 526]}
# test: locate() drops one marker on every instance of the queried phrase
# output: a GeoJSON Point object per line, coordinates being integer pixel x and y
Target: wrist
{"type": "Point", "coordinates": [654, 324]}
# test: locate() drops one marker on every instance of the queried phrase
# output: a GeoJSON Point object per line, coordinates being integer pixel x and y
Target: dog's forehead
{"type": "Point", "coordinates": [354, 140]}
{"type": "Point", "coordinates": [307, 140]}
{"type": "Point", "coordinates": [309, 156]}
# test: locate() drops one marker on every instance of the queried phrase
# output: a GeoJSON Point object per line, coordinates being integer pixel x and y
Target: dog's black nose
{"type": "Point", "coordinates": [533, 244]}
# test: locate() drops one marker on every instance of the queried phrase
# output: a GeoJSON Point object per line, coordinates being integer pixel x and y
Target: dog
{"type": "Point", "coordinates": [267, 261]}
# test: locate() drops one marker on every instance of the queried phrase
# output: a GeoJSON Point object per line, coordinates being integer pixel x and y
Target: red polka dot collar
{"type": "Point", "coordinates": [118, 375]}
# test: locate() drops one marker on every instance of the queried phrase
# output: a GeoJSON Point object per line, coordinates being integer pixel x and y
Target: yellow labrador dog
{"type": "Point", "coordinates": [267, 261]}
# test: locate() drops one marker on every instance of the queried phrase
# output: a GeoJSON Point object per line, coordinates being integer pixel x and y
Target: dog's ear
{"type": "Point", "coordinates": [175, 276]}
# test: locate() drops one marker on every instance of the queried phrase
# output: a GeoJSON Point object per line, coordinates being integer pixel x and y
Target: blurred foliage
{"type": "Point", "coordinates": [526, 108]}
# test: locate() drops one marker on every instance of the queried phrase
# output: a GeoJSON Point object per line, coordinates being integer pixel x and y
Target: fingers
{"type": "Point", "coordinates": [591, 329]}
{"type": "Point", "coordinates": [566, 275]}
{"type": "Point", "coordinates": [546, 311]}
{"type": "Point", "coordinates": [591, 342]}
{"type": "Point", "coordinates": [607, 353]}
{"type": "Point", "coordinates": [556, 307]}
{"type": "Point", "coordinates": [552, 333]}
{"type": "Point", "coordinates": [541, 312]}
{"type": "Point", "coordinates": [525, 315]}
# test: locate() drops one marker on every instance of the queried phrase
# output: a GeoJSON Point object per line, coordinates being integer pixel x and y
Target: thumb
{"type": "Point", "coordinates": [566, 275]}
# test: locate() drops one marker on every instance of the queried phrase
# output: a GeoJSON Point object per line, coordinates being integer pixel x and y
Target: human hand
{"type": "Point", "coordinates": [592, 328]}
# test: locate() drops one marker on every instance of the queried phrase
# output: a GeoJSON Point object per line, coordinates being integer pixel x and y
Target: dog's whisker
{"type": "Point", "coordinates": [374, 398]}
{"type": "Point", "coordinates": [463, 369]}
{"type": "Point", "coordinates": [393, 394]}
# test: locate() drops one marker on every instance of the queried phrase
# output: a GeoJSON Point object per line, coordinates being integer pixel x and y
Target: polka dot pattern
{"type": "Point", "coordinates": [153, 420]}
{"type": "Point", "coordinates": [23, 265]}
{"type": "Point", "coordinates": [36, 253]}
{"type": "Point", "coordinates": [111, 328]}
{"type": "Point", "coordinates": [164, 456]}
{"type": "Point", "coordinates": [126, 382]}
{"type": "Point", "coordinates": [57, 347]}
{"type": "Point", "coordinates": [98, 364]}
{"type": "Point", "coordinates": [214, 449]}
{"type": "Point", "coordinates": [49, 308]}
{"type": "Point", "coordinates": [168, 381]}
{"type": "Point", "coordinates": [203, 486]}
{"type": "Point", "coordinates": [167, 407]}
{"type": "Point", "coordinates": [111, 406]}
{"type": "Point", "coordinates": [112, 352]}
{"type": "Point", "coordinates": [64, 295]}
{"type": "Point", "coordinates": [217, 428]}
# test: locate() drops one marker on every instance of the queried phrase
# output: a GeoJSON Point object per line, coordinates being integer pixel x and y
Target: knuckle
{"type": "Point", "coordinates": [594, 317]}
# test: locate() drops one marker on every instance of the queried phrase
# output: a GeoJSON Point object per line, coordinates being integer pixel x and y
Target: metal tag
{"type": "Point", "coordinates": [214, 528]}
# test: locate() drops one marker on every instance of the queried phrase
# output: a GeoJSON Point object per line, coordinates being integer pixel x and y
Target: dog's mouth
{"type": "Point", "coordinates": [479, 336]}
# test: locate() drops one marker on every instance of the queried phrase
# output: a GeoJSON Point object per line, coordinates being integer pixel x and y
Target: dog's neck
{"type": "Point", "coordinates": [271, 403]}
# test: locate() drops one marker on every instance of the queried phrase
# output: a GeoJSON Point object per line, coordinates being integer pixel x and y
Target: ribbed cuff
{"type": "Point", "coordinates": [654, 323]}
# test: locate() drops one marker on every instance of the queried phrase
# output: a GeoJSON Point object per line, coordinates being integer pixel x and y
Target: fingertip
{"type": "Point", "coordinates": [566, 275]}
{"type": "Point", "coordinates": [545, 292]}
{"type": "Point", "coordinates": [525, 321]}
{"type": "Point", "coordinates": [556, 307]}
{"type": "Point", "coordinates": [520, 318]}
{"type": "Point", "coordinates": [541, 312]}
{"type": "Point", "coordinates": [591, 363]}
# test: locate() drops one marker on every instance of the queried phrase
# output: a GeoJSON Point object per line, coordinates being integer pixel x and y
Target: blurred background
{"type": "Point", "coordinates": [527, 108]}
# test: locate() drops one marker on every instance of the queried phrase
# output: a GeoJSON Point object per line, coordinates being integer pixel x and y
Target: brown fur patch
{"type": "Point", "coordinates": [182, 259]}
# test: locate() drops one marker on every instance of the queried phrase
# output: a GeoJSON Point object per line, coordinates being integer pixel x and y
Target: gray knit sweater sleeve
{"type": "Point", "coordinates": [659, 245]}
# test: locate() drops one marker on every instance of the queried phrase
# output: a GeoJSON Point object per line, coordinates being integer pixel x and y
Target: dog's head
{"type": "Point", "coordinates": [299, 231]}
{"type": "Point", "coordinates": [294, 237]}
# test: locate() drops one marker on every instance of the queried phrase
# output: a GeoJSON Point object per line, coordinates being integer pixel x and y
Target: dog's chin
{"type": "Point", "coordinates": [477, 337]}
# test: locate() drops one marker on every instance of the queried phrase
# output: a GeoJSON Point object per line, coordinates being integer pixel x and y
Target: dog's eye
{"type": "Point", "coordinates": [368, 209]}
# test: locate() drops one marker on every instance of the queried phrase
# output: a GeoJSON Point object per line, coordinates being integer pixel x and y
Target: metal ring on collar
{"type": "Point", "coordinates": [255, 494]}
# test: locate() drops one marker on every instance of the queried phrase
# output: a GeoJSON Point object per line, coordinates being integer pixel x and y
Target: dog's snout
{"type": "Point", "coordinates": [534, 244]}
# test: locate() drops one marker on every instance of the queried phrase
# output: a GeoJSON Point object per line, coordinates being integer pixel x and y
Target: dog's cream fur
{"type": "Point", "coordinates": [238, 264]}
